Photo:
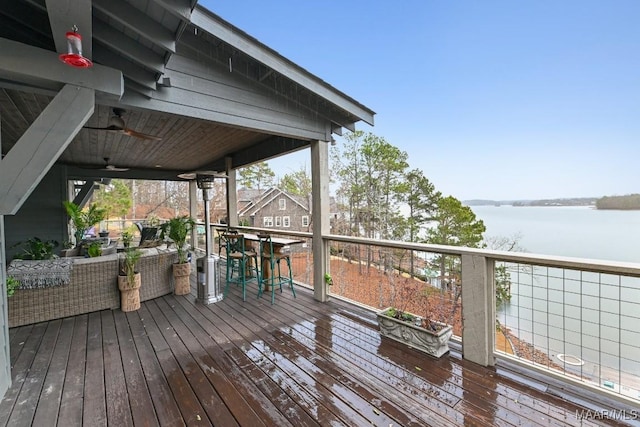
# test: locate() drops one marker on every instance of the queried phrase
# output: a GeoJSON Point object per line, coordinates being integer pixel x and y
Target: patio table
{"type": "Point", "coordinates": [279, 245]}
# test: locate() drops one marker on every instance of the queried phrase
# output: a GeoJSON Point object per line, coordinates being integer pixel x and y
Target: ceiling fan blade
{"type": "Point", "coordinates": [140, 135]}
{"type": "Point", "coordinates": [106, 168]}
{"type": "Point", "coordinates": [112, 168]}
{"type": "Point", "coordinates": [112, 128]}
{"type": "Point", "coordinates": [116, 124]}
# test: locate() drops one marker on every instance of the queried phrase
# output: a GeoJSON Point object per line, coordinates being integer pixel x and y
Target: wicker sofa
{"type": "Point", "coordinates": [93, 286]}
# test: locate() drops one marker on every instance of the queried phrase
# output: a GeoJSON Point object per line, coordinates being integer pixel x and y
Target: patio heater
{"type": "Point", "coordinates": [209, 289]}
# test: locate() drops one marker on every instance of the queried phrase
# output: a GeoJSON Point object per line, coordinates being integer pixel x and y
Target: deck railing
{"type": "Point", "coordinates": [572, 319]}
{"type": "Point", "coordinates": [580, 322]}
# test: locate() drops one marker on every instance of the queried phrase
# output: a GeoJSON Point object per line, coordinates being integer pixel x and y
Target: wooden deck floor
{"type": "Point", "coordinates": [297, 363]}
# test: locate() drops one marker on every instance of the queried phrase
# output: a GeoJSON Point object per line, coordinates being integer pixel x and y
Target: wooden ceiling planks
{"type": "Point", "coordinates": [187, 143]}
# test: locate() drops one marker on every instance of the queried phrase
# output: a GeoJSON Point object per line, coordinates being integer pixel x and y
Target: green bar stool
{"type": "Point", "coordinates": [222, 240]}
{"type": "Point", "coordinates": [238, 257]}
{"type": "Point", "coordinates": [271, 256]}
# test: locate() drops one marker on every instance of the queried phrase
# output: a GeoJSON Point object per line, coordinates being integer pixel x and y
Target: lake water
{"type": "Point", "coordinates": [591, 317]}
{"type": "Point", "coordinates": [581, 232]}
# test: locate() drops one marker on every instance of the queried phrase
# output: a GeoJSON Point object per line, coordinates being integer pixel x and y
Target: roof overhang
{"type": "Point", "coordinates": [210, 91]}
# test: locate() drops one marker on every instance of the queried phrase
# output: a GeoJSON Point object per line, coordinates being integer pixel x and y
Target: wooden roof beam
{"type": "Point", "coordinates": [21, 63]}
{"type": "Point", "coordinates": [137, 22]}
{"type": "Point", "coordinates": [129, 69]}
{"type": "Point", "coordinates": [63, 16]}
{"type": "Point", "coordinates": [85, 193]}
{"type": "Point", "coordinates": [181, 9]}
{"type": "Point", "coordinates": [127, 47]}
{"type": "Point", "coordinates": [36, 151]}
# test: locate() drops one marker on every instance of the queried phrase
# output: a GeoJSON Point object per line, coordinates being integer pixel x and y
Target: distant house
{"type": "Point", "coordinates": [273, 208]}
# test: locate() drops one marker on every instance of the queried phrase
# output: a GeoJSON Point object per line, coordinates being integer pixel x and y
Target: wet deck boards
{"type": "Point", "coordinates": [296, 363]}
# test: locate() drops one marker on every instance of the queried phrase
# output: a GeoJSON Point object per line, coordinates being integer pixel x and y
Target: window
{"type": "Point", "coordinates": [305, 221]}
{"type": "Point", "coordinates": [278, 221]}
{"type": "Point", "coordinates": [282, 204]}
{"type": "Point", "coordinates": [286, 221]}
{"type": "Point", "coordinates": [268, 221]}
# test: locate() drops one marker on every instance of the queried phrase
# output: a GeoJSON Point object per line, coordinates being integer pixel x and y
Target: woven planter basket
{"type": "Point", "coordinates": [129, 293]}
{"type": "Point", "coordinates": [181, 275]}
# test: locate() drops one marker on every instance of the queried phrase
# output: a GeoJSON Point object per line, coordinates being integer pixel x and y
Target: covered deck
{"type": "Point", "coordinates": [175, 92]}
{"type": "Point", "coordinates": [298, 362]}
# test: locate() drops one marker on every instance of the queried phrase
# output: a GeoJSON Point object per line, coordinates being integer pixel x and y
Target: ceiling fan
{"type": "Point", "coordinates": [116, 124]}
{"type": "Point", "coordinates": [112, 168]}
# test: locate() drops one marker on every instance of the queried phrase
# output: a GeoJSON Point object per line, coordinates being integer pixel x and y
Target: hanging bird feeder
{"type": "Point", "coordinates": [74, 56]}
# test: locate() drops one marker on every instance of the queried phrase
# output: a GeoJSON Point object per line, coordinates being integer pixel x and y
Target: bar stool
{"type": "Point", "coordinates": [271, 258]}
{"type": "Point", "coordinates": [238, 256]}
{"type": "Point", "coordinates": [222, 244]}
{"type": "Point", "coordinates": [222, 240]}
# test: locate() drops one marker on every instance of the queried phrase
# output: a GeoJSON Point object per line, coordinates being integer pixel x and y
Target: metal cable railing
{"type": "Point", "coordinates": [572, 318]}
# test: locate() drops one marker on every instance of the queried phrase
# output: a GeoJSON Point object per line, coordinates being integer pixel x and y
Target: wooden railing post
{"type": "Point", "coordinates": [478, 309]}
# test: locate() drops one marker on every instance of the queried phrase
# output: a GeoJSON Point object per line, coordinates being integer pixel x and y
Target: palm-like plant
{"type": "Point", "coordinates": [83, 219]}
{"type": "Point", "coordinates": [177, 229]}
{"type": "Point", "coordinates": [129, 264]}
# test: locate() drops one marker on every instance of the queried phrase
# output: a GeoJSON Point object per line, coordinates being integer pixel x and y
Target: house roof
{"type": "Point", "coordinates": [250, 194]}
{"type": "Point", "coordinates": [257, 203]}
{"type": "Point", "coordinates": [178, 71]}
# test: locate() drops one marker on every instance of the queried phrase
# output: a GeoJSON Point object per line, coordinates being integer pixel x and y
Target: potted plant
{"type": "Point", "coordinates": [94, 249]}
{"type": "Point", "coordinates": [417, 331]}
{"type": "Point", "coordinates": [36, 249]}
{"type": "Point", "coordinates": [12, 285]}
{"type": "Point", "coordinates": [129, 280]}
{"type": "Point", "coordinates": [68, 250]}
{"type": "Point", "coordinates": [83, 220]}
{"type": "Point", "coordinates": [177, 229]}
{"type": "Point", "coordinates": [127, 238]}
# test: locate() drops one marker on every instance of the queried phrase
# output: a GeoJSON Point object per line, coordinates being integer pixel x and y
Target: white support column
{"type": "Point", "coordinates": [5, 365]}
{"type": "Point", "coordinates": [320, 216]}
{"type": "Point", "coordinates": [193, 211]}
{"type": "Point", "coordinates": [232, 194]}
{"type": "Point", "coordinates": [478, 310]}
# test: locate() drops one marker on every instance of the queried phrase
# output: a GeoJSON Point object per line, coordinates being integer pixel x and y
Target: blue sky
{"type": "Point", "coordinates": [491, 99]}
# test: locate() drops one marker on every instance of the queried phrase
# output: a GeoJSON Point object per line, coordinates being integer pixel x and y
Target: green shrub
{"type": "Point", "coordinates": [12, 285]}
{"type": "Point", "coordinates": [94, 249]}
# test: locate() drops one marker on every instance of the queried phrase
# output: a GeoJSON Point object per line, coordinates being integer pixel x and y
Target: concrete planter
{"type": "Point", "coordinates": [435, 344]}
{"type": "Point", "coordinates": [64, 253]}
